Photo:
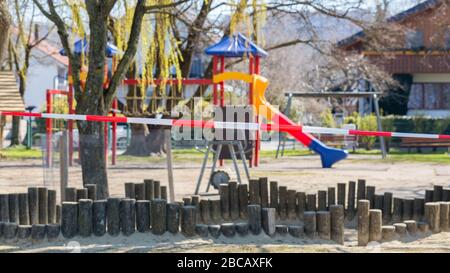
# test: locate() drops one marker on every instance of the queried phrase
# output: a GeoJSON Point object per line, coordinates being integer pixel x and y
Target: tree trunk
{"type": "Point", "coordinates": [15, 131]}
{"type": "Point", "coordinates": [5, 22]}
{"type": "Point", "coordinates": [92, 156]}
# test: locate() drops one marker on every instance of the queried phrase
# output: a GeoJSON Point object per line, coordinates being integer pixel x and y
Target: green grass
{"type": "Point", "coordinates": [20, 152]}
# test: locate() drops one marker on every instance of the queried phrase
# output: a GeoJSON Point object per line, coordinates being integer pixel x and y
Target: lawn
{"type": "Point", "coordinates": [189, 155]}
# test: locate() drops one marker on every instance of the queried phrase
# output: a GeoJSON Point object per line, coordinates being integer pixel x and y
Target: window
{"type": "Point", "coordinates": [447, 39]}
{"type": "Point", "coordinates": [414, 40]}
{"type": "Point", "coordinates": [429, 96]}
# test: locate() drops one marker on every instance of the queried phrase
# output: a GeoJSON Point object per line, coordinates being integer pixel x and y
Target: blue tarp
{"type": "Point", "coordinates": [235, 46]}
{"type": "Point", "coordinates": [83, 46]}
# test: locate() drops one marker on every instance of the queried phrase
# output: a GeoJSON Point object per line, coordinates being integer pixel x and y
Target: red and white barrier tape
{"type": "Point", "coordinates": [224, 125]}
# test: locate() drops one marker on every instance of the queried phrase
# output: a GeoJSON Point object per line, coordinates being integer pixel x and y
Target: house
{"type": "Point", "coordinates": [419, 60]}
{"type": "Point", "coordinates": [47, 70]}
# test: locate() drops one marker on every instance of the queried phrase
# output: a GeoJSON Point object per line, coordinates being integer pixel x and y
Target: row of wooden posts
{"type": "Point", "coordinates": [371, 228]}
{"type": "Point", "coordinates": [240, 209]}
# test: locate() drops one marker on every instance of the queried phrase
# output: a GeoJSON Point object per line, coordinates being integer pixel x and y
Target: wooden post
{"type": "Point", "coordinates": [268, 220]}
{"type": "Point", "coordinates": [158, 216]}
{"type": "Point", "coordinates": [446, 195]}
{"type": "Point", "coordinates": [291, 204]}
{"type": "Point", "coordinates": [341, 194]}
{"type": "Point", "coordinates": [429, 195]}
{"type": "Point", "coordinates": [363, 222]}
{"type": "Point", "coordinates": [281, 230]}
{"type": "Point", "coordinates": [322, 200]}
{"type": "Point", "coordinates": [228, 229]}
{"type": "Point", "coordinates": [82, 194]}
{"type": "Point", "coordinates": [99, 217]}
{"type": "Point", "coordinates": [188, 220]}
{"type": "Point", "coordinates": [70, 195]}
{"type": "Point", "coordinates": [143, 215]}
{"type": "Point", "coordinates": [254, 192]}
{"type": "Point", "coordinates": [85, 217]}
{"type": "Point", "coordinates": [282, 202]}
{"type": "Point", "coordinates": [432, 216]}
{"type": "Point", "coordinates": [375, 223]}
{"type": "Point", "coordinates": [38, 232]}
{"type": "Point", "coordinates": [33, 203]}
{"type": "Point", "coordinates": [324, 225]}
{"type": "Point", "coordinates": [444, 215]}
{"type": "Point", "coordinates": [113, 216]}
{"type": "Point", "coordinates": [58, 214]}
{"type": "Point", "coordinates": [370, 195]}
{"type": "Point", "coordinates": [400, 229]}
{"type": "Point", "coordinates": [156, 189]}
{"type": "Point", "coordinates": [264, 192]}
{"type": "Point", "coordinates": [254, 218]}
{"type": "Point", "coordinates": [242, 229]}
{"type": "Point", "coordinates": [351, 200]}
{"type": "Point", "coordinates": [224, 201]}
{"type": "Point", "coordinates": [388, 233]}
{"type": "Point", "coordinates": [69, 219]}
{"type": "Point", "coordinates": [387, 207]}
{"type": "Point", "coordinates": [234, 200]}
{"type": "Point", "coordinates": [301, 204]}
{"type": "Point", "coordinates": [331, 196]}
{"type": "Point", "coordinates": [164, 192]}
{"type": "Point", "coordinates": [169, 167]}
{"type": "Point", "coordinates": [361, 194]}
{"type": "Point", "coordinates": [243, 200]}
{"type": "Point", "coordinates": [397, 210]}
{"type": "Point", "coordinates": [337, 223]}
{"type": "Point", "coordinates": [64, 166]}
{"type": "Point", "coordinates": [186, 201]}
{"type": "Point", "coordinates": [127, 216]}
{"type": "Point", "coordinates": [149, 188]}
{"type": "Point", "coordinates": [274, 194]}
{"type": "Point", "coordinates": [92, 191]}
{"type": "Point", "coordinates": [173, 217]}
{"type": "Point", "coordinates": [9, 231]}
{"type": "Point", "coordinates": [214, 230]}
{"type": "Point", "coordinates": [201, 230]}
{"type": "Point", "coordinates": [214, 207]}
{"type": "Point", "coordinates": [296, 231]}
{"type": "Point", "coordinates": [204, 211]}
{"type": "Point", "coordinates": [418, 208]}
{"type": "Point", "coordinates": [51, 206]}
{"type": "Point", "coordinates": [309, 219]}
{"type": "Point", "coordinates": [13, 206]}
{"type": "Point", "coordinates": [23, 232]}
{"type": "Point", "coordinates": [139, 189]}
{"type": "Point", "coordinates": [311, 202]}
{"type": "Point", "coordinates": [378, 201]}
{"type": "Point", "coordinates": [411, 227]}
{"type": "Point", "coordinates": [437, 193]}
{"type": "Point", "coordinates": [130, 190]}
{"type": "Point", "coordinates": [53, 231]}
{"type": "Point", "coordinates": [407, 209]}
{"type": "Point", "coordinates": [43, 205]}
{"type": "Point", "coordinates": [24, 213]}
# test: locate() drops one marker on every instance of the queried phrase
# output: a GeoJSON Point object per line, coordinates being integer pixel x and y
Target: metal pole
{"type": "Point", "coordinates": [63, 164]}
{"type": "Point", "coordinates": [170, 166]}
{"type": "Point", "coordinates": [379, 126]}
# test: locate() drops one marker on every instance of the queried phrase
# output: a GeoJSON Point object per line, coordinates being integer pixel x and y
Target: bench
{"type": "Point", "coordinates": [424, 143]}
{"type": "Point", "coordinates": [339, 141]}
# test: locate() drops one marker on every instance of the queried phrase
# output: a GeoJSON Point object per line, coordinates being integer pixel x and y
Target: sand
{"type": "Point", "coordinates": [404, 179]}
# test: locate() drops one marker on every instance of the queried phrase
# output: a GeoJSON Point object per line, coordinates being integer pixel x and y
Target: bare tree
{"type": "Point", "coordinates": [5, 22]}
{"type": "Point", "coordinates": [95, 98]}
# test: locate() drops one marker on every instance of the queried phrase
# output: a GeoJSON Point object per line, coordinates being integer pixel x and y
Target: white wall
{"type": "Point", "coordinates": [41, 75]}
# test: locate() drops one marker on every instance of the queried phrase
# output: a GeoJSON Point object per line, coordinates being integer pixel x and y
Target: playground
{"type": "Point", "coordinates": [133, 156]}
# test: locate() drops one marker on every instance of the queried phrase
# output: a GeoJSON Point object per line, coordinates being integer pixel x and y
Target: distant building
{"type": "Point", "coordinates": [421, 64]}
